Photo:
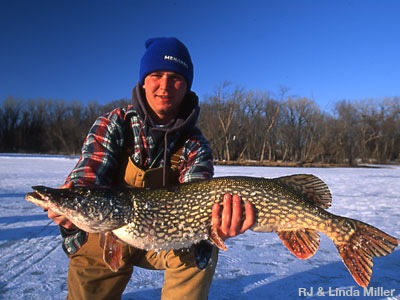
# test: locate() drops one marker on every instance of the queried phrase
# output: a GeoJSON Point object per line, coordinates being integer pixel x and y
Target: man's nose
{"type": "Point", "coordinates": [165, 81]}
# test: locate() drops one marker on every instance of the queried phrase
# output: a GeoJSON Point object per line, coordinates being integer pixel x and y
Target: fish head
{"type": "Point", "coordinates": [93, 209]}
{"type": "Point", "coordinates": [48, 198]}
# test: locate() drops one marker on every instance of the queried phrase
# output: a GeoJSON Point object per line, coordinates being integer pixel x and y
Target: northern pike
{"type": "Point", "coordinates": [176, 217]}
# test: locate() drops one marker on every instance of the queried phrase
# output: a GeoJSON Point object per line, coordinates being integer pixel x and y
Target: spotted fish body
{"type": "Point", "coordinates": [171, 218]}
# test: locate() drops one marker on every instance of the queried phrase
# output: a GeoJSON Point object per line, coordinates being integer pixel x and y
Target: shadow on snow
{"type": "Point", "coordinates": [28, 232]}
{"type": "Point", "coordinates": [331, 280]}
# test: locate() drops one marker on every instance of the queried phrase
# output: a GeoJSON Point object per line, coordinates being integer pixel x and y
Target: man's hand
{"type": "Point", "coordinates": [61, 220]}
{"type": "Point", "coordinates": [230, 220]}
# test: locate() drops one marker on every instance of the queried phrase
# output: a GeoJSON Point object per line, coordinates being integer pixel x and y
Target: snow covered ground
{"type": "Point", "coordinates": [256, 265]}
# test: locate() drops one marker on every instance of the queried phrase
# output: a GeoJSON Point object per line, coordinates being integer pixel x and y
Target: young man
{"type": "Point", "coordinates": [152, 143]}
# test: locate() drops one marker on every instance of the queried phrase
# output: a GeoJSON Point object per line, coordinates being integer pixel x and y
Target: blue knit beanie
{"type": "Point", "coordinates": [166, 54]}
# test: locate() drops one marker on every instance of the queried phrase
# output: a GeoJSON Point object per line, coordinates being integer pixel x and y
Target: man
{"type": "Point", "coordinates": [152, 143]}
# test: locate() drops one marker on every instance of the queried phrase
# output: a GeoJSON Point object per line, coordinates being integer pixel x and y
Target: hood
{"type": "Point", "coordinates": [185, 121]}
{"type": "Point", "coordinates": [181, 125]}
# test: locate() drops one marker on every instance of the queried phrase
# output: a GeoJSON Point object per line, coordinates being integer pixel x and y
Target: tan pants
{"type": "Point", "coordinates": [90, 278]}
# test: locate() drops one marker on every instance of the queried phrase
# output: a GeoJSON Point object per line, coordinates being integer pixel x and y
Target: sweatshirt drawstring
{"type": "Point", "coordinates": [165, 159]}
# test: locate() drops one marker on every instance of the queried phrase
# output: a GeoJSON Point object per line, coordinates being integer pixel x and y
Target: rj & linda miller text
{"type": "Point", "coordinates": [346, 292]}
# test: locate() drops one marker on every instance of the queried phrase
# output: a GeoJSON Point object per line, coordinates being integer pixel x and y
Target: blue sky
{"type": "Point", "coordinates": [90, 50]}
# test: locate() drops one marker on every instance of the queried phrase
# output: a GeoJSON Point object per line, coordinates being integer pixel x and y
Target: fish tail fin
{"type": "Point", "coordinates": [357, 253]}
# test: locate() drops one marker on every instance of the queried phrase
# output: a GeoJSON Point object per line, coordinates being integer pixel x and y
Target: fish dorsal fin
{"type": "Point", "coordinates": [303, 243]}
{"type": "Point", "coordinates": [310, 187]}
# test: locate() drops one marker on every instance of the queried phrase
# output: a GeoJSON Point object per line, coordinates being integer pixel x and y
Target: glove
{"type": "Point", "coordinates": [203, 251]}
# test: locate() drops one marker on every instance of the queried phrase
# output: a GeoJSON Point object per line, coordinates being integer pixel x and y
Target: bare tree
{"type": "Point", "coordinates": [347, 120]}
{"type": "Point", "coordinates": [299, 132]}
{"type": "Point", "coordinates": [10, 116]}
{"type": "Point", "coordinates": [225, 104]}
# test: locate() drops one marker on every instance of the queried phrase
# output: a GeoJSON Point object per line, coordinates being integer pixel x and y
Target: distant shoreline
{"type": "Point", "coordinates": [299, 164]}
{"type": "Point", "coordinates": [231, 163]}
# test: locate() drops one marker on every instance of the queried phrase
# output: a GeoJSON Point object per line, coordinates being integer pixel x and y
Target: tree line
{"type": "Point", "coordinates": [241, 125]}
{"type": "Point", "coordinates": [48, 126]}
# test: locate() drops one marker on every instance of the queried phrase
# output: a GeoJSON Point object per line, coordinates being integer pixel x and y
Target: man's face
{"type": "Point", "coordinates": [164, 93]}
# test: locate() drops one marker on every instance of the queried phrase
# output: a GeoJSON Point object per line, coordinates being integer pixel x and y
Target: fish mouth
{"type": "Point", "coordinates": [45, 197]}
{"type": "Point", "coordinates": [38, 199]}
{"type": "Point", "coordinates": [49, 193]}
{"type": "Point", "coordinates": [40, 189]}
{"type": "Point", "coordinates": [40, 196]}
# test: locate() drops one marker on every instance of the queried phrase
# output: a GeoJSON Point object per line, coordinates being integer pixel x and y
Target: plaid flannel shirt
{"type": "Point", "coordinates": [103, 147]}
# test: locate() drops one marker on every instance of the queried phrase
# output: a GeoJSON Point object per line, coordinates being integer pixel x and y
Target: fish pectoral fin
{"type": "Point", "coordinates": [216, 239]}
{"type": "Point", "coordinates": [112, 250]}
{"type": "Point", "coordinates": [303, 243]}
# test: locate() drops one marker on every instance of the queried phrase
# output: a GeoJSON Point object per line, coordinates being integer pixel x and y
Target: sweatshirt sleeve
{"type": "Point", "coordinates": [101, 150]}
